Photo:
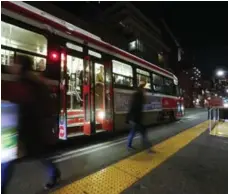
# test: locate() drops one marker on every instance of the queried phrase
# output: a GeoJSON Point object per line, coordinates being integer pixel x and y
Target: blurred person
{"type": "Point", "coordinates": [135, 116]}
{"type": "Point", "coordinates": [35, 121]}
{"type": "Point", "coordinates": [100, 75]}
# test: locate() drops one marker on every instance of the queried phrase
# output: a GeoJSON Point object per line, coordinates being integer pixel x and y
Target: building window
{"type": "Point", "coordinates": [122, 74]}
{"type": "Point", "coordinates": [143, 76]}
{"type": "Point", "coordinates": [18, 38]}
{"type": "Point", "coordinates": [160, 58]}
{"type": "Point", "coordinates": [158, 82]}
{"type": "Point", "coordinates": [136, 45]}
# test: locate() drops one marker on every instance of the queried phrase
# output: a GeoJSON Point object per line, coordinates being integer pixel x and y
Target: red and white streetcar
{"type": "Point", "coordinates": [91, 79]}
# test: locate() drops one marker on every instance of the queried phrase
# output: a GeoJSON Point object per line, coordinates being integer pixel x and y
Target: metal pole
{"type": "Point", "coordinates": [214, 115]}
{"type": "Point", "coordinates": [210, 119]}
{"type": "Point", "coordinates": [218, 115]}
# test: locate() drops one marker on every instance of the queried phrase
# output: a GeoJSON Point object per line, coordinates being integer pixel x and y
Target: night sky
{"type": "Point", "coordinates": [201, 27]}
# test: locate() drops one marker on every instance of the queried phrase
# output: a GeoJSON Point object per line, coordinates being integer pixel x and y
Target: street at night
{"type": "Point", "coordinates": [104, 97]}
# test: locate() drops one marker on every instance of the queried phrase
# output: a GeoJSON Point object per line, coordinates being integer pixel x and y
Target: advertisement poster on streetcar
{"type": "Point", "coordinates": [9, 125]}
{"type": "Point", "coordinates": [62, 126]}
{"type": "Point", "coordinates": [123, 100]}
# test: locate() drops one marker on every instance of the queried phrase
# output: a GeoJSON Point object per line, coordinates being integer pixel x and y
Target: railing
{"type": "Point", "coordinates": [213, 117]}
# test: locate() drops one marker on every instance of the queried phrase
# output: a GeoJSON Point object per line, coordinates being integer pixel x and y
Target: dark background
{"type": "Point", "coordinates": [200, 27]}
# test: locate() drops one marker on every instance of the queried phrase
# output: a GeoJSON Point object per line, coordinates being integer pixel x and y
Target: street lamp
{"type": "Point", "coordinates": [220, 73]}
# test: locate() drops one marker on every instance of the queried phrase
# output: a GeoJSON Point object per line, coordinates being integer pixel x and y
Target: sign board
{"type": "Point", "coordinates": [62, 126]}
{"type": "Point", "coordinates": [9, 124]}
{"type": "Point", "coordinates": [216, 102]}
{"type": "Point", "coordinates": [123, 100]}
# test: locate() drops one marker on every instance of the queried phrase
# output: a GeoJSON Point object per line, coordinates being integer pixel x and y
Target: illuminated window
{"type": "Point", "coordinates": [132, 46]}
{"type": "Point", "coordinates": [136, 45]}
{"type": "Point", "coordinates": [160, 58]}
{"type": "Point", "coordinates": [25, 40]}
{"type": "Point", "coordinates": [95, 54]}
{"type": "Point", "coordinates": [74, 47]}
{"type": "Point", "coordinates": [122, 73]}
{"type": "Point", "coordinates": [143, 76]}
{"type": "Point", "coordinates": [158, 82]}
{"type": "Point", "coordinates": [7, 57]}
{"type": "Point", "coordinates": [20, 38]}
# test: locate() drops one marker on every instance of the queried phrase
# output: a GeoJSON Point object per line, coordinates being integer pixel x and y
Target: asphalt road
{"type": "Point", "coordinates": [78, 161]}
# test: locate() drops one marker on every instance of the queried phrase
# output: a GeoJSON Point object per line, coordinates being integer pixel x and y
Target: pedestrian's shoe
{"type": "Point", "coordinates": [53, 182]}
{"type": "Point", "coordinates": [130, 148]}
{"type": "Point", "coordinates": [149, 151]}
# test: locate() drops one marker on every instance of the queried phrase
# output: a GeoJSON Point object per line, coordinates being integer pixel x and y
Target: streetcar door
{"type": "Point", "coordinates": [97, 94]}
{"type": "Point", "coordinates": [88, 97]}
{"type": "Point", "coordinates": [108, 97]}
{"type": "Point", "coordinates": [56, 72]}
{"type": "Point", "coordinates": [74, 96]}
{"type": "Point", "coordinates": [103, 95]}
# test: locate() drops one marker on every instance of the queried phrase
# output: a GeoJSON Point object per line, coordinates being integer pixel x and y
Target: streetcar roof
{"type": "Point", "coordinates": [44, 17]}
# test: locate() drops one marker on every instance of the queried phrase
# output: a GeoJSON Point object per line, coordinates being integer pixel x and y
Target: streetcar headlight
{"type": "Point", "coordinates": [101, 115]}
{"type": "Point", "coordinates": [226, 105]}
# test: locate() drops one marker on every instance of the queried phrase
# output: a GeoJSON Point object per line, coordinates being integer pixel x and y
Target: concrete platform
{"type": "Point", "coordinates": [117, 178]}
{"type": "Point", "coordinates": [221, 129]}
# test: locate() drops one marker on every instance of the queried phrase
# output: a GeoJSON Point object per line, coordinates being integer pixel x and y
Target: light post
{"type": "Point", "coordinates": [220, 73]}
{"type": "Point", "coordinates": [220, 76]}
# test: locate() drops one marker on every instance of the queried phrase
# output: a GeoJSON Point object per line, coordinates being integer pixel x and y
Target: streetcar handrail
{"type": "Point", "coordinates": [73, 90]}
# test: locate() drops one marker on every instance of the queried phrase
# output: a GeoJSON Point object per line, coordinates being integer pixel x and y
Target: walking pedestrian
{"type": "Point", "coordinates": [35, 122]}
{"type": "Point", "coordinates": [135, 116]}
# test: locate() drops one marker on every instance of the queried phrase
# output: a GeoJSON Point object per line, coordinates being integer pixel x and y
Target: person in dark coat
{"type": "Point", "coordinates": [35, 120]}
{"type": "Point", "coordinates": [135, 116]}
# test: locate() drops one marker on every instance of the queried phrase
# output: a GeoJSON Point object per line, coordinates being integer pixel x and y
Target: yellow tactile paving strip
{"type": "Point", "coordinates": [221, 129]}
{"type": "Point", "coordinates": [116, 178]}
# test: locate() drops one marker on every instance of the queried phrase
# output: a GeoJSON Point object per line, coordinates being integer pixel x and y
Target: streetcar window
{"type": "Point", "coordinates": [7, 57]}
{"type": "Point", "coordinates": [39, 63]}
{"type": "Point", "coordinates": [19, 38]}
{"type": "Point", "coordinates": [99, 72]}
{"type": "Point", "coordinates": [122, 74]}
{"type": "Point", "coordinates": [24, 40]}
{"type": "Point", "coordinates": [75, 77]}
{"type": "Point", "coordinates": [95, 54]}
{"type": "Point", "coordinates": [157, 83]}
{"type": "Point", "coordinates": [99, 85]}
{"type": "Point", "coordinates": [143, 76]}
{"type": "Point", "coordinates": [179, 91]}
{"type": "Point", "coordinates": [169, 87]}
{"type": "Point", "coordinates": [74, 47]}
